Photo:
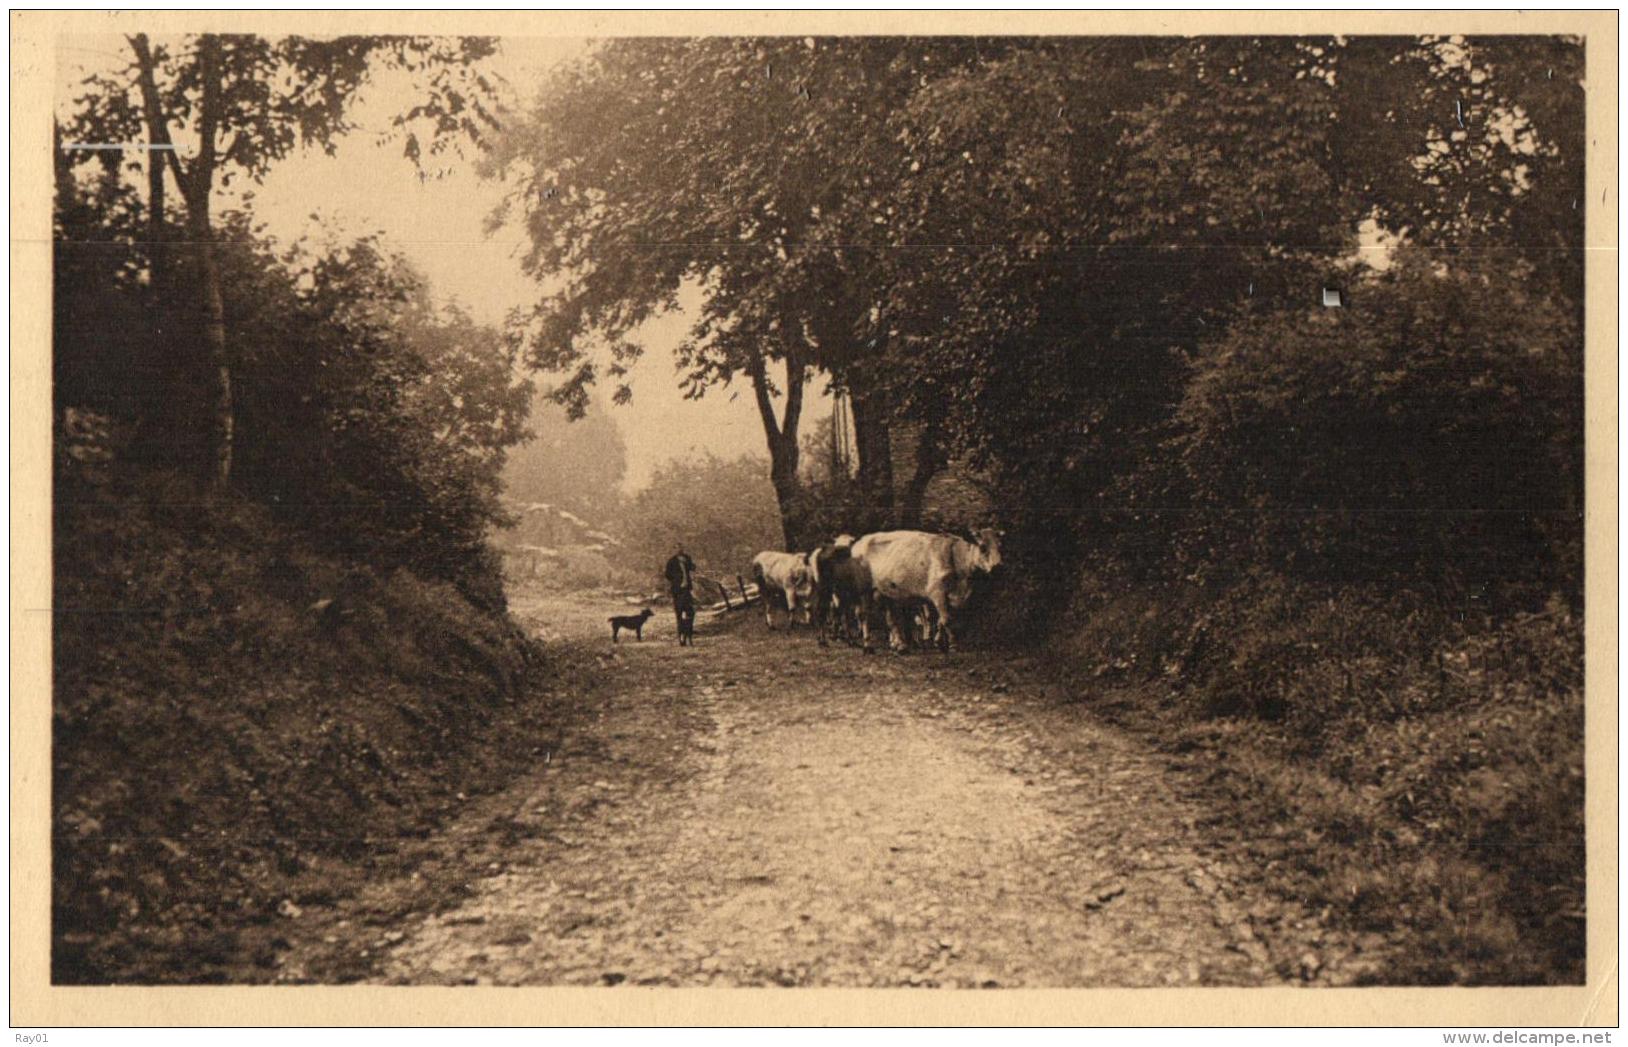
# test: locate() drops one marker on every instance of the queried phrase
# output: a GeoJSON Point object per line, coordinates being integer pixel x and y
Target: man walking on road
{"type": "Point", "coordinates": [680, 574]}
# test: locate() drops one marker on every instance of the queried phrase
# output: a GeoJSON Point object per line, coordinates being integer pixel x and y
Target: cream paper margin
{"type": "Point", "coordinates": [34, 1002]}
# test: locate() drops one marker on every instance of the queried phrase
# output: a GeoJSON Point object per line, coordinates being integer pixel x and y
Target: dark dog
{"type": "Point", "coordinates": [684, 610]}
{"type": "Point", "coordinates": [630, 621]}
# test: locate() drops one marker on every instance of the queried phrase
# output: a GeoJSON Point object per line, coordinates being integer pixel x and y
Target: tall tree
{"type": "Point", "coordinates": [724, 165]}
{"type": "Point", "coordinates": [1019, 244]}
{"type": "Point", "coordinates": [1071, 222]}
{"type": "Point", "coordinates": [216, 108]}
{"type": "Point", "coordinates": [1090, 222]}
{"type": "Point", "coordinates": [1110, 229]}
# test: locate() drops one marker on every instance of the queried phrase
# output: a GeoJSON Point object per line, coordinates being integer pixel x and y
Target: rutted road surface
{"type": "Point", "coordinates": [754, 811]}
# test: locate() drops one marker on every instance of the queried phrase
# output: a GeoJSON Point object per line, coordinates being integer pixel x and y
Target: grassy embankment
{"type": "Point", "coordinates": [244, 726]}
{"type": "Point", "coordinates": [1420, 777]}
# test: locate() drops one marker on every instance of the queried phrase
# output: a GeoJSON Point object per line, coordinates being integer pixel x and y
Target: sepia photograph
{"type": "Point", "coordinates": [764, 509]}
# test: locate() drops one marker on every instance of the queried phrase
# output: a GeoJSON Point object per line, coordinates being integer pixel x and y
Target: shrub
{"type": "Point", "coordinates": [365, 415]}
{"type": "Point", "coordinates": [724, 512]}
{"type": "Point", "coordinates": [1428, 439]}
{"type": "Point", "coordinates": [250, 702]}
{"type": "Point", "coordinates": [1434, 764]}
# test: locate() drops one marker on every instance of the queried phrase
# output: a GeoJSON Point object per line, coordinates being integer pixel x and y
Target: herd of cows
{"type": "Point", "coordinates": [908, 577]}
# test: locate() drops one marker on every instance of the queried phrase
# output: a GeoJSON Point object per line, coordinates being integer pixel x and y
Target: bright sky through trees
{"type": "Point", "coordinates": [367, 186]}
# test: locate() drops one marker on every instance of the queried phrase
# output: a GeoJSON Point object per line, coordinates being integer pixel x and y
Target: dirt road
{"type": "Point", "coordinates": [754, 811]}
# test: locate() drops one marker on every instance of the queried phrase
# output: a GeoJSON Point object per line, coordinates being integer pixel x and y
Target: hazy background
{"type": "Point", "coordinates": [439, 223]}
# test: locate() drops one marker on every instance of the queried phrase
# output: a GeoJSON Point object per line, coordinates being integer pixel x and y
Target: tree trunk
{"type": "Point", "coordinates": [838, 463]}
{"type": "Point", "coordinates": [782, 440]}
{"type": "Point", "coordinates": [197, 188]}
{"type": "Point", "coordinates": [787, 495]}
{"type": "Point", "coordinates": [221, 420]}
{"type": "Point", "coordinates": [930, 461]}
{"type": "Point", "coordinates": [159, 156]}
{"type": "Point", "coordinates": [197, 183]}
{"type": "Point", "coordinates": [157, 258]}
{"type": "Point", "coordinates": [874, 446]}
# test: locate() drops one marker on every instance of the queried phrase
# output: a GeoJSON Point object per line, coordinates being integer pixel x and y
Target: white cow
{"type": "Point", "coordinates": [785, 574]}
{"type": "Point", "coordinates": [911, 566]}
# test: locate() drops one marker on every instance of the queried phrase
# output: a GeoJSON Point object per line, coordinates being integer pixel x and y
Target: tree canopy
{"type": "Point", "coordinates": [1016, 246]}
{"type": "Point", "coordinates": [725, 164]}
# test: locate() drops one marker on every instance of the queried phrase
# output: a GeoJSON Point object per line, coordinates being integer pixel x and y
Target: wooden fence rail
{"type": "Point", "coordinates": [748, 593]}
